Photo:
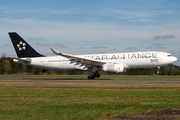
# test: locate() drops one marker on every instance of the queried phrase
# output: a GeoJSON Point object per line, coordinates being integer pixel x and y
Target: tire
{"type": "Point", "coordinates": [92, 77]}
{"type": "Point", "coordinates": [89, 77]}
{"type": "Point", "coordinates": [98, 75]}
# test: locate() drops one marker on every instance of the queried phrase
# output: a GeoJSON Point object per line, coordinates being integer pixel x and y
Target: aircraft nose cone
{"type": "Point", "coordinates": [175, 59]}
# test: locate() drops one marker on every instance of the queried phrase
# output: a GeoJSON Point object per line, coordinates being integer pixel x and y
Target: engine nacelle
{"type": "Point", "coordinates": [114, 68]}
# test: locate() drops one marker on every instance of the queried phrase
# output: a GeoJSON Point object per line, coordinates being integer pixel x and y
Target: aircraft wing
{"type": "Point", "coordinates": [78, 60]}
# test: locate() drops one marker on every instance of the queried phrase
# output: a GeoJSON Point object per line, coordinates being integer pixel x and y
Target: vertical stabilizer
{"type": "Point", "coordinates": [22, 48]}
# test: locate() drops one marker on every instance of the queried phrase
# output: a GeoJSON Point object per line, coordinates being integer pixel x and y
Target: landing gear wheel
{"type": "Point", "coordinates": [98, 75]}
{"type": "Point", "coordinates": [91, 77]}
{"type": "Point", "coordinates": [94, 75]}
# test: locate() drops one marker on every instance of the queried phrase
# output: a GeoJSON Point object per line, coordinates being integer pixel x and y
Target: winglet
{"type": "Point", "coordinates": [54, 51]}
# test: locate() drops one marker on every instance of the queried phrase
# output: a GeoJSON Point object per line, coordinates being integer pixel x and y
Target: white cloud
{"type": "Point", "coordinates": [67, 11]}
{"type": "Point", "coordinates": [131, 48]}
{"type": "Point", "coordinates": [51, 44]}
{"type": "Point", "coordinates": [164, 37]}
{"type": "Point", "coordinates": [34, 38]}
{"type": "Point", "coordinates": [99, 47]}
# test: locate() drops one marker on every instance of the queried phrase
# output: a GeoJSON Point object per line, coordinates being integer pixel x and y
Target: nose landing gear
{"type": "Point", "coordinates": [158, 70]}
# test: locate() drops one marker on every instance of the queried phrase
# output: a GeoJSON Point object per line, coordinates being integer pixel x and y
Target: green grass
{"type": "Point", "coordinates": [85, 77]}
{"type": "Point", "coordinates": [34, 100]}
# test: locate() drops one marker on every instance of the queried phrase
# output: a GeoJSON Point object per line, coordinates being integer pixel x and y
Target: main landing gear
{"type": "Point", "coordinates": [96, 74]}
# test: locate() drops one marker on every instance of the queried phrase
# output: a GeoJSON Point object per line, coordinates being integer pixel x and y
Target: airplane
{"type": "Point", "coordinates": [110, 62]}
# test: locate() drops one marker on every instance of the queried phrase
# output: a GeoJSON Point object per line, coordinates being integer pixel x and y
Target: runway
{"type": "Point", "coordinates": [95, 80]}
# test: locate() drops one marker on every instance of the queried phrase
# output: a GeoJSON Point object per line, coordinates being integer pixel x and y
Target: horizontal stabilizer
{"type": "Point", "coordinates": [26, 61]}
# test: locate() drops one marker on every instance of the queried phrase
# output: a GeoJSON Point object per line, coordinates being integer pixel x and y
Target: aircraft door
{"type": "Point", "coordinates": [45, 62]}
{"type": "Point", "coordinates": [159, 56]}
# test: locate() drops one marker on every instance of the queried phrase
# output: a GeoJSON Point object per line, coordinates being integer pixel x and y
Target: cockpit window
{"type": "Point", "coordinates": [169, 55]}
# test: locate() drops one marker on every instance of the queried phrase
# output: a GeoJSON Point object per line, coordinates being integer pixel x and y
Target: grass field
{"type": "Point", "coordinates": [34, 100]}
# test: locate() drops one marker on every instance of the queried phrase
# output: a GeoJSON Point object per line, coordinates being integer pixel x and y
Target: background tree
{"type": "Point", "coordinates": [38, 71]}
{"type": "Point", "coordinates": [29, 69]}
{"type": "Point", "coordinates": [5, 67]}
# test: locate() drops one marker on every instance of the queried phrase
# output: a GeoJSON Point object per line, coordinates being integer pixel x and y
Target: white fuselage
{"type": "Point", "coordinates": [129, 60]}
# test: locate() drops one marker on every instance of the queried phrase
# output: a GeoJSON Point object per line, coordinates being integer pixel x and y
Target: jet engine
{"type": "Point", "coordinates": [114, 68]}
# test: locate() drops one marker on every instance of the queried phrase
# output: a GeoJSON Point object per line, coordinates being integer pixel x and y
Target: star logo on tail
{"type": "Point", "coordinates": [21, 46]}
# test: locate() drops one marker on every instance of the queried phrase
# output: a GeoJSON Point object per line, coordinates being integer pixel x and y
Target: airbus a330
{"type": "Point", "coordinates": [110, 62]}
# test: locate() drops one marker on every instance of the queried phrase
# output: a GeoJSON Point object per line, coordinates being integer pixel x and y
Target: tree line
{"type": "Point", "coordinates": [7, 66]}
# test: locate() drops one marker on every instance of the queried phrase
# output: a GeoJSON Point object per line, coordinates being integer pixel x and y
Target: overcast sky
{"type": "Point", "coordinates": [92, 26]}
